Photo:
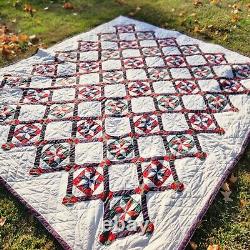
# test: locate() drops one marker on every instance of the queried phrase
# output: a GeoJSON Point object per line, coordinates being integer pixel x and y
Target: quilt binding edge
{"type": "Point", "coordinates": [204, 209]}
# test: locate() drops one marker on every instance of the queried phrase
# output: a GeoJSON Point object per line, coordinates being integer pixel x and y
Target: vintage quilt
{"type": "Point", "coordinates": [120, 137]}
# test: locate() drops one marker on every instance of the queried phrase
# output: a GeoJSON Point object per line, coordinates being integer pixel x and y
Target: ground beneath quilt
{"type": "Point", "coordinates": [119, 137]}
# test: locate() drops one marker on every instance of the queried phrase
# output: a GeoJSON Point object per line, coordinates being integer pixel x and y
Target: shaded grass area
{"type": "Point", "coordinates": [226, 224]}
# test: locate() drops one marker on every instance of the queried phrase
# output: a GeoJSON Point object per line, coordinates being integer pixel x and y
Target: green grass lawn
{"type": "Point", "coordinates": [227, 224]}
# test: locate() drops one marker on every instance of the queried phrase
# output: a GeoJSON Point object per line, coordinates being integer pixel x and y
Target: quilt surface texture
{"type": "Point", "coordinates": [119, 138]}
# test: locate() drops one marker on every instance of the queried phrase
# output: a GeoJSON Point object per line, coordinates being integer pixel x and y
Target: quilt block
{"type": "Point", "coordinates": [120, 137]}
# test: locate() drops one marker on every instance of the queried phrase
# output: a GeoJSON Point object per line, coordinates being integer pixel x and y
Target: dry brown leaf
{"type": "Point", "coordinates": [3, 30]}
{"type": "Point", "coordinates": [28, 8]}
{"type": "Point", "coordinates": [2, 221]}
{"type": "Point", "coordinates": [6, 51]}
{"type": "Point", "coordinates": [236, 6]}
{"type": "Point", "coordinates": [33, 39]}
{"type": "Point", "coordinates": [193, 245]}
{"type": "Point", "coordinates": [197, 2]}
{"type": "Point", "coordinates": [215, 2]}
{"type": "Point", "coordinates": [197, 29]}
{"type": "Point", "coordinates": [14, 38]}
{"type": "Point", "coordinates": [23, 38]}
{"type": "Point", "coordinates": [235, 18]}
{"type": "Point", "coordinates": [233, 178]}
{"type": "Point", "coordinates": [5, 39]}
{"type": "Point", "coordinates": [213, 247]}
{"type": "Point", "coordinates": [225, 37]}
{"type": "Point", "coordinates": [121, 2]}
{"type": "Point", "coordinates": [225, 187]}
{"type": "Point", "coordinates": [243, 203]}
{"type": "Point", "coordinates": [68, 6]}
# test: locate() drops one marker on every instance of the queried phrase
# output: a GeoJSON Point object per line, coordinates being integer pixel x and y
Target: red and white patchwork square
{"type": "Point", "coordinates": [132, 63]}
{"type": "Point", "coordinates": [33, 96]}
{"type": "Point", "coordinates": [139, 88]}
{"type": "Point", "coordinates": [89, 129]}
{"type": "Point", "coordinates": [167, 42]}
{"type": "Point", "coordinates": [186, 86]}
{"type": "Point", "coordinates": [88, 67]}
{"type": "Point", "coordinates": [129, 44]}
{"type": "Point", "coordinates": [215, 58]}
{"type": "Point", "coordinates": [125, 28]}
{"type": "Point", "coordinates": [190, 50]}
{"type": "Point", "coordinates": [201, 121]}
{"type": "Point", "coordinates": [157, 173]}
{"type": "Point", "coordinates": [87, 45]}
{"type": "Point", "coordinates": [175, 61]}
{"type": "Point", "coordinates": [146, 124]}
{"type": "Point", "coordinates": [27, 133]}
{"type": "Point", "coordinates": [44, 69]}
{"type": "Point", "coordinates": [89, 181]}
{"type": "Point", "coordinates": [90, 92]}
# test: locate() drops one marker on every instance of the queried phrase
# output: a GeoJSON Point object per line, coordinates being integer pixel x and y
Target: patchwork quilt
{"type": "Point", "coordinates": [119, 138]}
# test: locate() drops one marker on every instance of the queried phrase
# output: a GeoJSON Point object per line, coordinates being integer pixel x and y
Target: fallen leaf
{"type": "Point", "coordinates": [226, 196]}
{"type": "Point", "coordinates": [132, 13]}
{"type": "Point", "coordinates": [225, 187]}
{"type": "Point", "coordinates": [235, 18]}
{"type": "Point", "coordinates": [23, 38]}
{"type": "Point", "coordinates": [243, 203]}
{"type": "Point", "coordinates": [121, 2]}
{"type": "Point", "coordinates": [68, 6]}
{"type": "Point", "coordinates": [3, 30]}
{"type": "Point", "coordinates": [215, 2]}
{"type": "Point", "coordinates": [6, 51]}
{"type": "Point", "coordinates": [2, 221]}
{"type": "Point", "coordinates": [233, 178]}
{"type": "Point", "coordinates": [138, 8]}
{"type": "Point", "coordinates": [197, 2]}
{"type": "Point", "coordinates": [213, 247]}
{"type": "Point", "coordinates": [193, 245]}
{"type": "Point", "coordinates": [225, 37]}
{"type": "Point", "coordinates": [197, 29]}
{"type": "Point", "coordinates": [14, 38]}
{"type": "Point", "coordinates": [33, 39]}
{"type": "Point", "coordinates": [28, 8]}
{"type": "Point", "coordinates": [236, 6]}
